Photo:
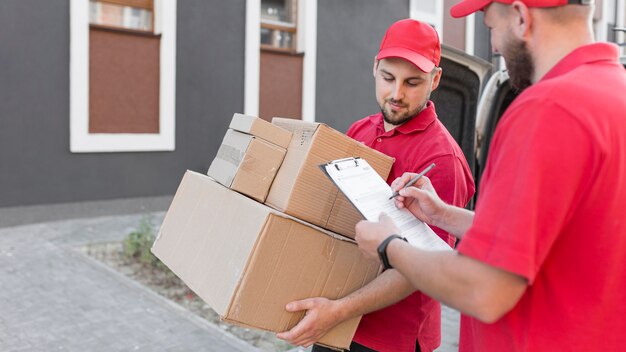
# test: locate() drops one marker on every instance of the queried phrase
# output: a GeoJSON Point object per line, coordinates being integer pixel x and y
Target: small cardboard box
{"type": "Point", "coordinates": [302, 190]}
{"type": "Point", "coordinates": [247, 261]}
{"type": "Point", "coordinates": [261, 128]}
{"type": "Point", "coordinates": [246, 164]}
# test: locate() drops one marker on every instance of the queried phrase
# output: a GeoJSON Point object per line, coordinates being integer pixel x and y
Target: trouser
{"type": "Point", "coordinates": [354, 347]}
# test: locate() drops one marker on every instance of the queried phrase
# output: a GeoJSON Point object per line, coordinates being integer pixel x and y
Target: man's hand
{"type": "Point", "coordinates": [370, 234]}
{"type": "Point", "coordinates": [423, 202]}
{"type": "Point", "coordinates": [321, 315]}
{"type": "Point", "coordinates": [421, 199]}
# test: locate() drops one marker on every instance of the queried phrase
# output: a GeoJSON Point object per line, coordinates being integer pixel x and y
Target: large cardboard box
{"type": "Point", "coordinates": [246, 164]}
{"type": "Point", "coordinates": [247, 261]}
{"type": "Point", "coordinates": [260, 128]}
{"type": "Point", "coordinates": [302, 190]}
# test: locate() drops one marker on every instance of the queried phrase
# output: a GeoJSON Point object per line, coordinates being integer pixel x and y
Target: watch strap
{"type": "Point", "coordinates": [382, 250]}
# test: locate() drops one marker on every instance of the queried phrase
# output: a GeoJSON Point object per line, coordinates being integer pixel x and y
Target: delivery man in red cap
{"type": "Point", "coordinates": [542, 262]}
{"type": "Point", "coordinates": [407, 128]}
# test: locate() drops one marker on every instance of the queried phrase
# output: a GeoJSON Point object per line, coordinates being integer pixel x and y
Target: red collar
{"type": "Point", "coordinates": [584, 55]}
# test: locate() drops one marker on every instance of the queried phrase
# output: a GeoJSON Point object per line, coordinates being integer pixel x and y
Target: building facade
{"type": "Point", "coordinates": [117, 98]}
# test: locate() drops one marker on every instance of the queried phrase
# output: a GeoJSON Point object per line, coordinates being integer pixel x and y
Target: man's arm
{"type": "Point", "coordinates": [456, 221]}
{"type": "Point", "coordinates": [472, 287]}
{"type": "Point", "coordinates": [466, 284]}
{"type": "Point", "coordinates": [323, 314]}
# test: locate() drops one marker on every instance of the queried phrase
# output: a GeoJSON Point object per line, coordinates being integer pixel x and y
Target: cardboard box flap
{"type": "Point", "coordinates": [381, 162]}
{"type": "Point", "coordinates": [261, 128]}
{"type": "Point", "coordinates": [300, 186]}
{"type": "Point", "coordinates": [301, 189]}
{"type": "Point", "coordinates": [295, 159]}
{"type": "Point", "coordinates": [221, 264]}
{"type": "Point", "coordinates": [258, 168]}
{"type": "Point", "coordinates": [302, 131]}
{"type": "Point", "coordinates": [229, 157]}
{"type": "Point", "coordinates": [323, 264]}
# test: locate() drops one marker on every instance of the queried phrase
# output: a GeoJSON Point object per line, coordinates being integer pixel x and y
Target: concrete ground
{"type": "Point", "coordinates": [56, 298]}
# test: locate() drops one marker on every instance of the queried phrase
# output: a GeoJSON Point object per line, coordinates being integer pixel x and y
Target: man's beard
{"type": "Point", "coordinates": [519, 64]}
{"type": "Point", "coordinates": [400, 118]}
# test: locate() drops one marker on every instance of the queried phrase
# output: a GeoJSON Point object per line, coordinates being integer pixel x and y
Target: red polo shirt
{"type": "Point", "coordinates": [414, 145]}
{"type": "Point", "coordinates": [551, 209]}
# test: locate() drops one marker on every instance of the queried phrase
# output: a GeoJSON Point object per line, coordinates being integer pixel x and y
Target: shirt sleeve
{"type": "Point", "coordinates": [535, 171]}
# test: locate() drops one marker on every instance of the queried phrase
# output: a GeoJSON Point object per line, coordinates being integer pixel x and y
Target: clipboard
{"type": "Point", "coordinates": [369, 194]}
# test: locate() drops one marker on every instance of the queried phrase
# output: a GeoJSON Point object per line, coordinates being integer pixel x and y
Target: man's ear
{"type": "Point", "coordinates": [436, 77]}
{"type": "Point", "coordinates": [375, 66]}
{"type": "Point", "coordinates": [522, 19]}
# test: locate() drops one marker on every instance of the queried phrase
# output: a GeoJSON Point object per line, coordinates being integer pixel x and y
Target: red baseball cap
{"type": "Point", "coordinates": [413, 41]}
{"type": "Point", "coordinates": [468, 7]}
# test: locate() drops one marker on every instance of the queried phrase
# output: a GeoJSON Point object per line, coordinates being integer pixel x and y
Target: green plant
{"type": "Point", "coordinates": [138, 243]}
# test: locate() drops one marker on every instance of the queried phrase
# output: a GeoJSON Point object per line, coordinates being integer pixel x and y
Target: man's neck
{"type": "Point", "coordinates": [388, 126]}
{"type": "Point", "coordinates": [554, 42]}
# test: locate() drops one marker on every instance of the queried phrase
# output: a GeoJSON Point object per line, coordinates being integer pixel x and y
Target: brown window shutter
{"type": "Point", "coordinates": [123, 82]}
{"type": "Point", "coordinates": [280, 85]}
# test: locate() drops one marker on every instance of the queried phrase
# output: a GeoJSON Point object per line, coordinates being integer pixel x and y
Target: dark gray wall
{"type": "Point", "coordinates": [348, 35]}
{"type": "Point", "coordinates": [36, 166]}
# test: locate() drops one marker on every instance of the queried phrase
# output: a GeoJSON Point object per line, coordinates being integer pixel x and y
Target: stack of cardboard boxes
{"type": "Point", "coordinates": [250, 155]}
{"type": "Point", "coordinates": [247, 259]}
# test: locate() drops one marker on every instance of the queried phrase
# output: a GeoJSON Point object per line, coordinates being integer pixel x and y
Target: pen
{"type": "Point", "coordinates": [413, 180]}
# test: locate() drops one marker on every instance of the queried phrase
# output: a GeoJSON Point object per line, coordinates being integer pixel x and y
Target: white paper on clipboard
{"type": "Point", "coordinates": [369, 193]}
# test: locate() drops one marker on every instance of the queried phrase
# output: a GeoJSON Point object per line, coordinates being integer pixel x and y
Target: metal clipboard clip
{"type": "Point", "coordinates": [342, 164]}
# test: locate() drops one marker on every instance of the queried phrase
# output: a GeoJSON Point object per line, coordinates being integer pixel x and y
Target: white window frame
{"type": "Point", "coordinates": [307, 42]}
{"type": "Point", "coordinates": [435, 20]}
{"type": "Point", "coordinates": [308, 25]}
{"type": "Point", "coordinates": [252, 58]}
{"type": "Point", "coordinates": [81, 141]}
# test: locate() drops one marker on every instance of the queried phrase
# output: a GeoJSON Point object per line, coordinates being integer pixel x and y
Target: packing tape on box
{"type": "Point", "coordinates": [230, 154]}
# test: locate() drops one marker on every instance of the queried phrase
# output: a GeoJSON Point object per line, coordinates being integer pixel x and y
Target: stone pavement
{"type": "Point", "coordinates": [56, 298]}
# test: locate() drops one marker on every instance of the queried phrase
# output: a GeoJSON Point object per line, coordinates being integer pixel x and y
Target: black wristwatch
{"type": "Point", "coordinates": [382, 250]}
